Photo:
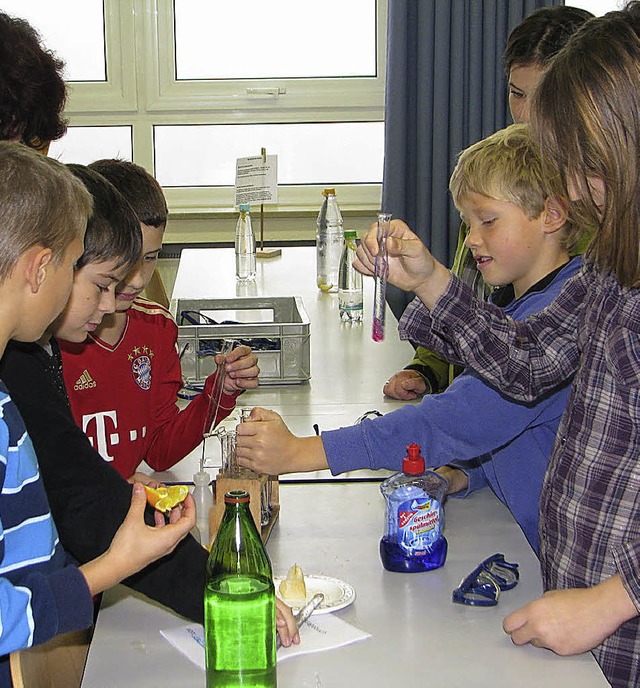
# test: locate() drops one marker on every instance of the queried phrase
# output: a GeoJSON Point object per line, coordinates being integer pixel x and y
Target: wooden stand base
{"type": "Point", "coordinates": [268, 252]}
{"type": "Point", "coordinates": [264, 496]}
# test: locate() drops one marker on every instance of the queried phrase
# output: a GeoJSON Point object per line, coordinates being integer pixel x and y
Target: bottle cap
{"type": "Point", "coordinates": [413, 462]}
{"type": "Point", "coordinates": [236, 497]}
{"type": "Point", "coordinates": [244, 207]}
{"type": "Point", "coordinates": [350, 234]}
{"type": "Point", "coordinates": [329, 192]}
{"type": "Point", "coordinates": [202, 478]}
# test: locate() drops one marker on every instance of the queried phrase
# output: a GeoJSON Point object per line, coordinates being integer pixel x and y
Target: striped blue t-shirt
{"type": "Point", "coordinates": [42, 592]}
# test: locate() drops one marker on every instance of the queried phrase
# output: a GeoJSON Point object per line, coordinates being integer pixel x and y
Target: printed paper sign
{"type": "Point", "coordinates": [257, 180]}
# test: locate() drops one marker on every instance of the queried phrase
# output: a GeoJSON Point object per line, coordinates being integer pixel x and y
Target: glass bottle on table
{"type": "Point", "coordinates": [349, 282]}
{"type": "Point", "coordinates": [329, 242]}
{"type": "Point", "coordinates": [245, 245]}
{"type": "Point", "coordinates": [239, 603]}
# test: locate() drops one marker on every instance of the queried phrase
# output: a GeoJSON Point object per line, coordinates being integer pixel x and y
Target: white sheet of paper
{"type": "Point", "coordinates": [257, 179]}
{"type": "Point", "coordinates": [324, 632]}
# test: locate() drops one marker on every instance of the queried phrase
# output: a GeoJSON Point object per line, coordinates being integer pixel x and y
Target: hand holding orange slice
{"type": "Point", "coordinates": [166, 498]}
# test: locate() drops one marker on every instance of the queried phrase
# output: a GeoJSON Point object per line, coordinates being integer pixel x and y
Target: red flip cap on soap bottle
{"type": "Point", "coordinates": [413, 462]}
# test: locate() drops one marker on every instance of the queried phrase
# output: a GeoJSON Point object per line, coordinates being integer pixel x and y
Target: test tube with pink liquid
{"type": "Point", "coordinates": [381, 270]}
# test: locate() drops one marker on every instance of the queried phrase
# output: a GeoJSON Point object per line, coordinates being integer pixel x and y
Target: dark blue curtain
{"type": "Point", "coordinates": [445, 89]}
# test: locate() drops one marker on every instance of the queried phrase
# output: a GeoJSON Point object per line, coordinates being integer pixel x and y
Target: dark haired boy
{"type": "Point", "coordinates": [129, 411]}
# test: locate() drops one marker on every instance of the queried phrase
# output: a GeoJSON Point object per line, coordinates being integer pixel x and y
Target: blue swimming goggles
{"type": "Point", "coordinates": [481, 588]}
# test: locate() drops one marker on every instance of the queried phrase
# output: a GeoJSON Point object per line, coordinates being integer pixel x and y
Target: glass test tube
{"type": "Point", "coordinates": [380, 273]}
{"type": "Point", "coordinates": [217, 389]}
{"type": "Point", "coordinates": [228, 448]}
{"type": "Point", "coordinates": [214, 399]}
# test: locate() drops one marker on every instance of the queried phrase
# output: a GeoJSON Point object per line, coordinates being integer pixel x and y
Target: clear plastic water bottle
{"type": "Point", "coordinates": [203, 497]}
{"type": "Point", "coordinates": [329, 241]}
{"type": "Point", "coordinates": [239, 603]}
{"type": "Point", "coordinates": [245, 245]}
{"type": "Point", "coordinates": [349, 282]}
{"type": "Point", "coordinates": [413, 540]}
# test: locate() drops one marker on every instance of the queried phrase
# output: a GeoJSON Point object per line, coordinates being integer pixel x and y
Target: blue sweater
{"type": "Point", "coordinates": [496, 441]}
{"type": "Point", "coordinates": [42, 593]}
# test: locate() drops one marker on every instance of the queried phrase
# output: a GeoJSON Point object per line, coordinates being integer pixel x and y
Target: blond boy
{"type": "Point", "coordinates": [520, 238]}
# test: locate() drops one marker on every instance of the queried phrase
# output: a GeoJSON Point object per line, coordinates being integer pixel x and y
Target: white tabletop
{"type": "Point", "coordinates": [348, 369]}
{"type": "Point", "coordinates": [334, 529]}
{"type": "Point", "coordinates": [418, 634]}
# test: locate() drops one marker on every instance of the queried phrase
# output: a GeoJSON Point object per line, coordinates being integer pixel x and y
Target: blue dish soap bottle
{"type": "Point", "coordinates": [413, 541]}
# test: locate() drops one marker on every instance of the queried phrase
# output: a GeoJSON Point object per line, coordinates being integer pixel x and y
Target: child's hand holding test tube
{"type": "Point", "coordinates": [410, 265]}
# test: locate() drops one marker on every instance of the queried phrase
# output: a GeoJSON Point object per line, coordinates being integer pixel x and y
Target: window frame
{"type": "Point", "coordinates": [148, 94]}
{"type": "Point", "coordinates": [119, 92]}
{"type": "Point", "coordinates": [292, 100]}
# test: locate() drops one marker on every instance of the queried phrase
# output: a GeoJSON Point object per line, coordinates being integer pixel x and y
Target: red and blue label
{"type": "Point", "coordinates": [419, 525]}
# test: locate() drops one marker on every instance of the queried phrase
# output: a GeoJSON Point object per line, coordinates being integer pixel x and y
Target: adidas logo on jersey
{"type": "Point", "coordinates": [85, 381]}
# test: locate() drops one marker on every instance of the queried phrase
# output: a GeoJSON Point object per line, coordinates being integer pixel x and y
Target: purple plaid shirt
{"type": "Point", "coordinates": [590, 501]}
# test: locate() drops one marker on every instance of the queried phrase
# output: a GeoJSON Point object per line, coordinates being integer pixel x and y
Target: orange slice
{"type": "Point", "coordinates": [165, 498]}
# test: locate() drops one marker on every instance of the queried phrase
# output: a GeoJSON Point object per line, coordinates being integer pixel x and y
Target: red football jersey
{"type": "Point", "coordinates": [124, 396]}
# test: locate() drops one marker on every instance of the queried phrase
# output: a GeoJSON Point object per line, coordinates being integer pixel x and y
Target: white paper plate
{"type": "Point", "coordinates": [337, 593]}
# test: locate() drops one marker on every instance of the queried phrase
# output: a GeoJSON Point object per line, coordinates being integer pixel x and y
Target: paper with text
{"type": "Point", "coordinates": [257, 180]}
{"type": "Point", "coordinates": [321, 632]}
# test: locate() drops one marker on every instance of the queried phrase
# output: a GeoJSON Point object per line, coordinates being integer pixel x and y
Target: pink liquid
{"type": "Point", "coordinates": [377, 332]}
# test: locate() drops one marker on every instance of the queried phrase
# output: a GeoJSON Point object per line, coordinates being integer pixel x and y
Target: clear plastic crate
{"type": "Point", "coordinates": [276, 328]}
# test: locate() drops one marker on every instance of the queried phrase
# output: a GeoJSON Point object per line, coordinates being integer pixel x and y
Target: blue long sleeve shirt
{"type": "Point", "coordinates": [495, 440]}
{"type": "Point", "coordinates": [42, 592]}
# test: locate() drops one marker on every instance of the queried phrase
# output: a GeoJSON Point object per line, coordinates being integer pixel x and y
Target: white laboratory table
{"type": "Point", "coordinates": [348, 368]}
{"type": "Point", "coordinates": [419, 637]}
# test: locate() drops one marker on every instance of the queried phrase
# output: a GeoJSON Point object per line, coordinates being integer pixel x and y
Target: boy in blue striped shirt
{"type": "Point", "coordinates": [43, 215]}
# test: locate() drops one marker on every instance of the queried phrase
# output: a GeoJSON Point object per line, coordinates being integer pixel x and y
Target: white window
{"type": "Point", "coordinates": [184, 87]}
{"type": "Point", "coordinates": [86, 144]}
{"type": "Point", "coordinates": [83, 50]}
{"type": "Point", "coordinates": [282, 39]}
{"type": "Point", "coordinates": [598, 7]}
{"type": "Point", "coordinates": [95, 38]}
{"type": "Point", "coordinates": [324, 154]}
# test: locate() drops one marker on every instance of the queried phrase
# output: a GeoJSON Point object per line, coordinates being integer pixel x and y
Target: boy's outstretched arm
{"type": "Point", "coordinates": [265, 445]}
{"type": "Point", "coordinates": [572, 621]}
{"type": "Point", "coordinates": [177, 432]}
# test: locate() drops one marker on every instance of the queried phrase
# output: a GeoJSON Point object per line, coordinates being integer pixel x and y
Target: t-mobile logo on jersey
{"type": "Point", "coordinates": [102, 430]}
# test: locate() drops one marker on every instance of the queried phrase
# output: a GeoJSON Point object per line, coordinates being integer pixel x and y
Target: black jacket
{"type": "Point", "coordinates": [89, 499]}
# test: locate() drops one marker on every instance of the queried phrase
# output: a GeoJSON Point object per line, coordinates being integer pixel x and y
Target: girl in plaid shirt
{"type": "Point", "coordinates": [586, 118]}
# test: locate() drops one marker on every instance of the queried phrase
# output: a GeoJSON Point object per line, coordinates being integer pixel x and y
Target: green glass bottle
{"type": "Point", "coordinates": [239, 603]}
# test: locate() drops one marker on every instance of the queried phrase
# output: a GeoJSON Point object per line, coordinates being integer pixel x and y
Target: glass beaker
{"type": "Point", "coordinates": [231, 469]}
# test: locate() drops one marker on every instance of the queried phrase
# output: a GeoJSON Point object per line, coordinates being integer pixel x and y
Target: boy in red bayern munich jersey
{"type": "Point", "coordinates": [124, 379]}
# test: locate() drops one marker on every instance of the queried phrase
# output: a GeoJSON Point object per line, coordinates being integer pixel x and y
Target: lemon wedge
{"type": "Point", "coordinates": [165, 498]}
{"type": "Point", "coordinates": [293, 586]}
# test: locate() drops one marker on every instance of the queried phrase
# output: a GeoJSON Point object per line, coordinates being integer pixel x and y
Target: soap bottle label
{"type": "Point", "coordinates": [418, 525]}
